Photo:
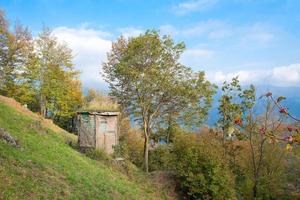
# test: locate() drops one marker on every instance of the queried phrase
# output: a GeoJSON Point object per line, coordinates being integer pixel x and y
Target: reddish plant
{"type": "Point", "coordinates": [238, 121]}
{"type": "Point", "coordinates": [283, 110]}
{"type": "Point", "coordinates": [269, 94]}
{"type": "Point", "coordinates": [262, 130]}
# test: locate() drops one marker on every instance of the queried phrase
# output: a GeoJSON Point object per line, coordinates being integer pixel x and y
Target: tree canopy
{"type": "Point", "coordinates": [147, 79]}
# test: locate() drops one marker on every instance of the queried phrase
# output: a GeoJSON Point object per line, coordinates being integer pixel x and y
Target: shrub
{"type": "Point", "coordinates": [161, 158]}
{"type": "Point", "coordinates": [131, 146]}
{"type": "Point", "coordinates": [202, 172]}
{"type": "Point", "coordinates": [98, 154]}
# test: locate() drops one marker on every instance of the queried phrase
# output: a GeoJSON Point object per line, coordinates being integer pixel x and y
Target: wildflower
{"type": "Point", "coordinates": [283, 111]}
{"type": "Point", "coordinates": [262, 130]}
{"type": "Point", "coordinates": [238, 121]}
{"type": "Point", "coordinates": [269, 94]}
{"type": "Point", "coordinates": [290, 129]}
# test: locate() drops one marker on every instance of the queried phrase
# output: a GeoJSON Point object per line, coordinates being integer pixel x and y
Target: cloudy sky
{"type": "Point", "coordinates": [259, 40]}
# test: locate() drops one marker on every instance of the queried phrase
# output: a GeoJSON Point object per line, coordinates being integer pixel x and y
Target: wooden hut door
{"type": "Point", "coordinates": [101, 132]}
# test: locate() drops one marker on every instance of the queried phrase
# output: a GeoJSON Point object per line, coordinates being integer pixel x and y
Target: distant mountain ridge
{"type": "Point", "coordinates": [292, 102]}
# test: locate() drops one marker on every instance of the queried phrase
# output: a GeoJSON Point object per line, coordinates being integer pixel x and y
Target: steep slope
{"type": "Point", "coordinates": [44, 166]}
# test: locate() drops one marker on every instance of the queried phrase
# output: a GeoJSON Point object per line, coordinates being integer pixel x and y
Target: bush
{"type": "Point", "coordinates": [131, 146]}
{"type": "Point", "coordinates": [202, 172]}
{"type": "Point", "coordinates": [98, 154]}
{"type": "Point", "coordinates": [161, 158]}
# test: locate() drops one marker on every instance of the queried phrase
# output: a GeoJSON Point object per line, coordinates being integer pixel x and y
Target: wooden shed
{"type": "Point", "coordinates": [98, 130]}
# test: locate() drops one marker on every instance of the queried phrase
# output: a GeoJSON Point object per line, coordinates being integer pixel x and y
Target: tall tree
{"type": "Point", "coordinates": [53, 67]}
{"type": "Point", "coordinates": [145, 76]}
{"type": "Point", "coordinates": [4, 49]}
{"type": "Point", "coordinates": [52, 79]}
{"type": "Point", "coordinates": [16, 50]}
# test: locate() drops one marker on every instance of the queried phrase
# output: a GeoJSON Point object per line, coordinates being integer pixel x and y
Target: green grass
{"type": "Point", "coordinates": [46, 167]}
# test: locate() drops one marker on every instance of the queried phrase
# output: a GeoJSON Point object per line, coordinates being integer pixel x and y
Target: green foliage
{"type": "Point", "coordinates": [234, 103]}
{"type": "Point", "coordinates": [161, 158]}
{"type": "Point", "coordinates": [272, 180]}
{"type": "Point", "coordinates": [131, 143]}
{"type": "Point", "coordinates": [202, 172]}
{"type": "Point", "coordinates": [98, 154]}
{"type": "Point", "coordinates": [146, 78]}
{"type": "Point", "coordinates": [53, 69]}
{"type": "Point", "coordinates": [95, 100]}
{"type": "Point", "coordinates": [16, 51]}
{"type": "Point", "coordinates": [167, 130]}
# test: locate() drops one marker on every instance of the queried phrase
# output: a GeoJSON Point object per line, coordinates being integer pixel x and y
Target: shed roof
{"type": "Point", "coordinates": [100, 112]}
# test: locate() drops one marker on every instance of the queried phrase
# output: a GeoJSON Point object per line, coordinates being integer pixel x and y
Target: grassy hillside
{"type": "Point", "coordinates": [46, 167]}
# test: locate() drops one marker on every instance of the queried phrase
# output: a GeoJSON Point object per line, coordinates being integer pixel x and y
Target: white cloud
{"type": "Point", "coordinates": [287, 75]}
{"type": "Point", "coordinates": [246, 77]}
{"type": "Point", "coordinates": [193, 5]}
{"type": "Point", "coordinates": [198, 53]}
{"type": "Point", "coordinates": [196, 57]}
{"type": "Point", "coordinates": [130, 31]}
{"type": "Point", "coordinates": [284, 76]}
{"type": "Point", "coordinates": [89, 48]}
{"type": "Point", "coordinates": [168, 30]}
{"type": "Point", "coordinates": [211, 28]}
{"type": "Point", "coordinates": [258, 34]}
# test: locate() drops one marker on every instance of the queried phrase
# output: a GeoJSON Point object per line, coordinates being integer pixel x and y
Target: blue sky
{"type": "Point", "coordinates": [259, 40]}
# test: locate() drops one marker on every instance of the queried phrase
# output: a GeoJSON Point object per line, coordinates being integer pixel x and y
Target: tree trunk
{"type": "Point", "coordinates": [43, 106]}
{"type": "Point", "coordinates": [168, 136]}
{"type": "Point", "coordinates": [169, 129]}
{"type": "Point", "coordinates": [254, 190]}
{"type": "Point", "coordinates": [146, 153]}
